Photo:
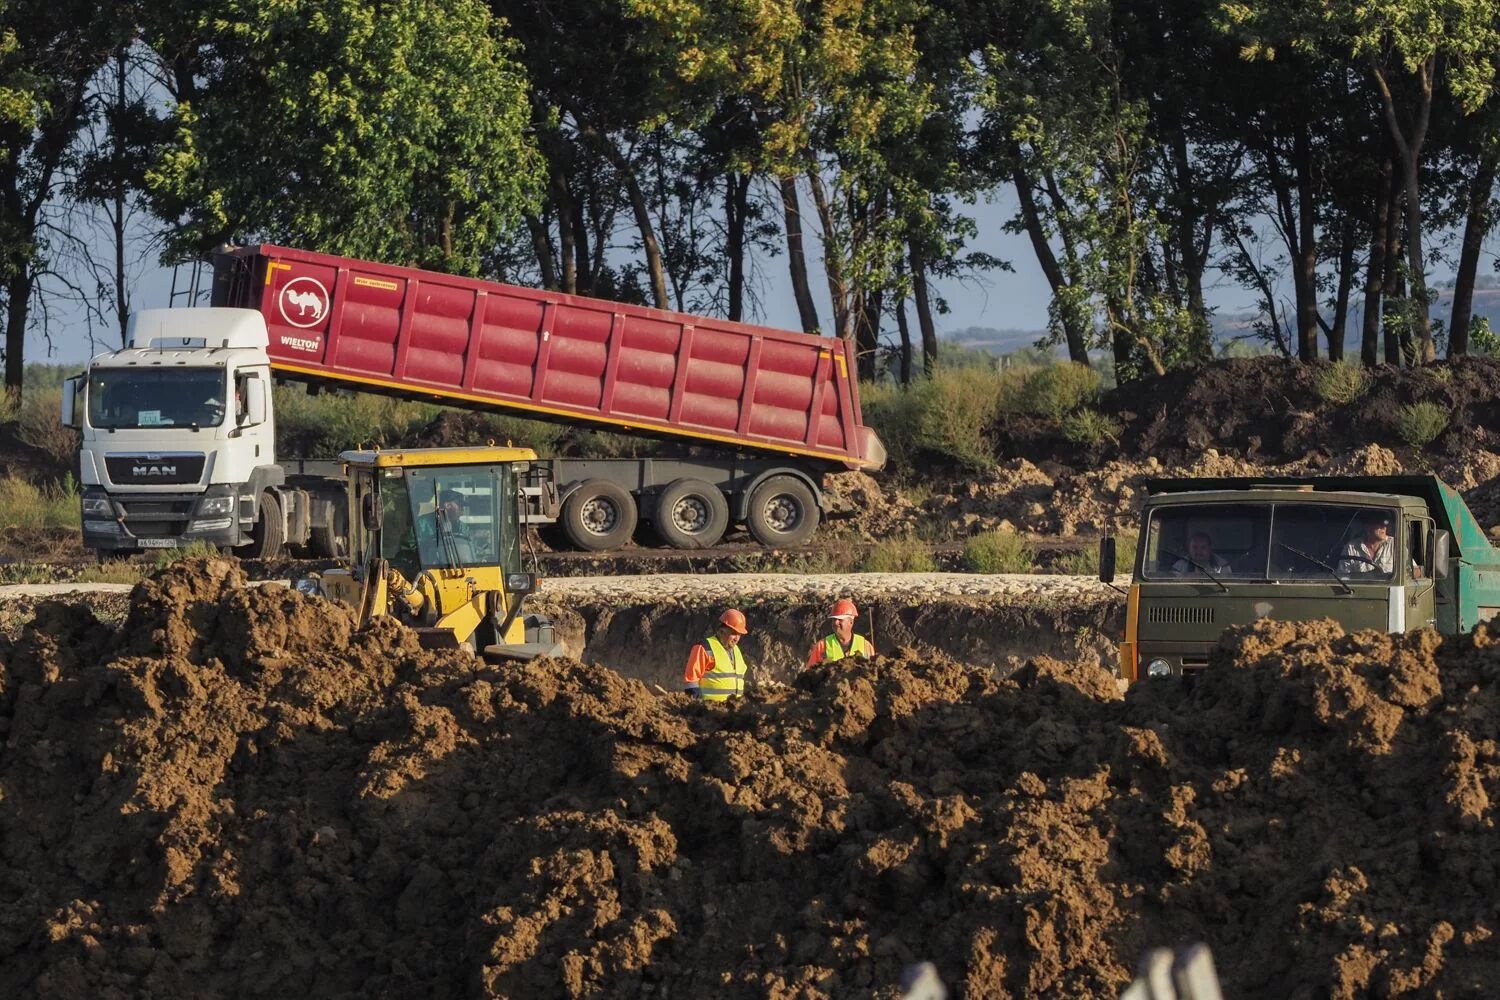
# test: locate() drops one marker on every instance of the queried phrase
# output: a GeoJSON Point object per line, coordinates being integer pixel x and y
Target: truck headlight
{"type": "Point", "coordinates": [103, 528]}
{"type": "Point", "coordinates": [97, 507]}
{"type": "Point", "coordinates": [213, 524]}
{"type": "Point", "coordinates": [1158, 668]}
{"type": "Point", "coordinates": [216, 505]}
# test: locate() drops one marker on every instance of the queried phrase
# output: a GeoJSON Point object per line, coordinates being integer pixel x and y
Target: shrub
{"type": "Point", "coordinates": [10, 406]}
{"type": "Point", "coordinates": [40, 424]}
{"type": "Point", "coordinates": [1088, 428]}
{"type": "Point", "coordinates": [1085, 561]}
{"type": "Point", "coordinates": [1419, 424]}
{"type": "Point", "coordinates": [1057, 390]}
{"type": "Point", "coordinates": [1341, 384]}
{"type": "Point", "coordinates": [948, 415]}
{"type": "Point", "coordinates": [998, 552]}
{"type": "Point", "coordinates": [903, 554]}
{"type": "Point", "coordinates": [29, 507]}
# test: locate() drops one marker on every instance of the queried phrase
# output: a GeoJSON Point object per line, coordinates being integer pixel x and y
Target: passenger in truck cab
{"type": "Point", "coordinates": [1201, 551]}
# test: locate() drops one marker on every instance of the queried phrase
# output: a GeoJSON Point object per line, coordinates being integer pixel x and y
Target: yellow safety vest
{"type": "Point", "coordinates": [834, 650]}
{"type": "Point", "coordinates": [727, 678]}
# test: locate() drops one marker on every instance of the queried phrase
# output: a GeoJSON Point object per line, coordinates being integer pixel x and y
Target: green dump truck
{"type": "Point", "coordinates": [1397, 553]}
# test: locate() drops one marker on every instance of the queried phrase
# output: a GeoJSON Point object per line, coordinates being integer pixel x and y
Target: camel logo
{"type": "Point", "coordinates": [303, 302]}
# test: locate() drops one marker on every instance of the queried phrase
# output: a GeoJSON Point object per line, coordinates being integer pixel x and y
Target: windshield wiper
{"type": "Point", "coordinates": [1320, 563]}
{"type": "Point", "coordinates": [1199, 567]}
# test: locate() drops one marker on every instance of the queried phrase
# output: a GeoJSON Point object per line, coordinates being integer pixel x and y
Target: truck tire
{"type": "Point", "coordinates": [783, 513]}
{"type": "Point", "coordinates": [599, 515]}
{"type": "Point", "coordinates": [331, 541]}
{"type": "Point", "coordinates": [269, 531]}
{"type": "Point", "coordinates": [691, 514]}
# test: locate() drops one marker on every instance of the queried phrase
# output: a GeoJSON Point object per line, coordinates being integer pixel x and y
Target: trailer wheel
{"type": "Point", "coordinates": [269, 533]}
{"type": "Point", "coordinates": [691, 514]}
{"type": "Point", "coordinates": [331, 541]}
{"type": "Point", "coordinates": [782, 513]}
{"type": "Point", "coordinates": [599, 515]}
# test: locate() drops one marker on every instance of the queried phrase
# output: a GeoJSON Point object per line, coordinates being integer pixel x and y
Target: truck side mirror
{"type": "Point", "coordinates": [255, 401]}
{"type": "Point", "coordinates": [1107, 559]}
{"type": "Point", "coordinates": [70, 400]}
{"type": "Point", "coordinates": [1442, 545]}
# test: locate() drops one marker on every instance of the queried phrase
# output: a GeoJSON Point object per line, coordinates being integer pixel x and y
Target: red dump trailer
{"type": "Point", "coordinates": [765, 411]}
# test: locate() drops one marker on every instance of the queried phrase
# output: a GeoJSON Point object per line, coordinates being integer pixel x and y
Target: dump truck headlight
{"type": "Point", "coordinates": [1158, 668]}
{"type": "Point", "coordinates": [213, 524]}
{"type": "Point", "coordinates": [215, 505]}
{"type": "Point", "coordinates": [97, 507]}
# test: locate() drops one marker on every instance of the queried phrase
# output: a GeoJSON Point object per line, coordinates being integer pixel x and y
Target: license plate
{"type": "Point", "coordinates": [157, 543]}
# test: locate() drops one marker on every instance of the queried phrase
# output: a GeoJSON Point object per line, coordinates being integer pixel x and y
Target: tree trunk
{"type": "Point", "coordinates": [924, 312]}
{"type": "Point", "coordinates": [867, 335]}
{"type": "Point", "coordinates": [1369, 351]}
{"type": "Point", "coordinates": [833, 264]}
{"type": "Point", "coordinates": [1392, 293]}
{"type": "Point", "coordinates": [1476, 227]}
{"type": "Point", "coordinates": [905, 333]}
{"type": "Point", "coordinates": [642, 211]}
{"type": "Point", "coordinates": [736, 208]}
{"type": "Point", "coordinates": [584, 273]}
{"type": "Point", "coordinates": [122, 291]}
{"type": "Point", "coordinates": [796, 255]}
{"type": "Point", "coordinates": [17, 313]}
{"type": "Point", "coordinates": [541, 246]}
{"type": "Point", "coordinates": [1193, 262]}
{"type": "Point", "coordinates": [1336, 332]}
{"type": "Point", "coordinates": [567, 256]}
{"type": "Point", "coordinates": [1409, 142]}
{"type": "Point", "coordinates": [1305, 275]}
{"type": "Point", "coordinates": [1073, 332]}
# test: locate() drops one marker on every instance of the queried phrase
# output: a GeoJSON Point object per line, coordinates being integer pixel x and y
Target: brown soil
{"type": "Point", "coordinates": [236, 794]}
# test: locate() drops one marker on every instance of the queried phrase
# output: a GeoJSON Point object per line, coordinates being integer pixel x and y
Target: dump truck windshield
{"type": "Point", "coordinates": [133, 398]}
{"type": "Point", "coordinates": [1271, 541]}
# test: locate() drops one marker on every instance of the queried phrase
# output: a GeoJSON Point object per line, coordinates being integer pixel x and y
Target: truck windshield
{"type": "Point", "coordinates": [1281, 541]}
{"type": "Point", "coordinates": [131, 398]}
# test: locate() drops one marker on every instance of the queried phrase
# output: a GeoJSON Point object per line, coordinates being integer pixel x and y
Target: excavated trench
{"type": "Point", "coordinates": [649, 638]}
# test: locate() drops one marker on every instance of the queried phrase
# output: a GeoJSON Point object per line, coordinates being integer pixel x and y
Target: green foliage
{"type": "Point", "coordinates": [1089, 428]}
{"type": "Point", "coordinates": [193, 550]}
{"type": "Point", "coordinates": [902, 554]}
{"type": "Point", "coordinates": [39, 424]}
{"type": "Point", "coordinates": [396, 131]}
{"type": "Point", "coordinates": [1085, 561]}
{"type": "Point", "coordinates": [26, 506]}
{"type": "Point", "coordinates": [1482, 339]}
{"type": "Point", "coordinates": [1419, 424]}
{"type": "Point", "coordinates": [323, 425]}
{"type": "Point", "coordinates": [10, 405]}
{"type": "Point", "coordinates": [1057, 390]}
{"type": "Point", "coordinates": [947, 416]}
{"type": "Point", "coordinates": [998, 552]}
{"type": "Point", "coordinates": [1341, 384]}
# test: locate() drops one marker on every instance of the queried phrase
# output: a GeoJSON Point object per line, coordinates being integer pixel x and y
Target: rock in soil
{"type": "Point", "coordinates": [237, 794]}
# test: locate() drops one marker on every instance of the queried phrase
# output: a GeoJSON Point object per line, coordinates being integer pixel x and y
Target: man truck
{"type": "Point", "coordinates": [1397, 553]}
{"type": "Point", "coordinates": [178, 428]}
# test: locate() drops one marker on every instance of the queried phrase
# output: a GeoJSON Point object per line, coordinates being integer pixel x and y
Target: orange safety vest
{"type": "Point", "coordinates": [727, 678]}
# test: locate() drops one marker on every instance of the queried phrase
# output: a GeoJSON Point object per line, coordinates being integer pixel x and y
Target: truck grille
{"type": "Point", "coordinates": [157, 518]}
{"type": "Point", "coordinates": [167, 470]}
{"type": "Point", "coordinates": [1182, 614]}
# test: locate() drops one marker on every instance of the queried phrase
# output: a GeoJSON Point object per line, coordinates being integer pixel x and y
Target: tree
{"type": "Point", "coordinates": [396, 131]}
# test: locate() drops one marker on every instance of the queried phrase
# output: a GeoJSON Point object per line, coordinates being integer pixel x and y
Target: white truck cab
{"type": "Point", "coordinates": [179, 439]}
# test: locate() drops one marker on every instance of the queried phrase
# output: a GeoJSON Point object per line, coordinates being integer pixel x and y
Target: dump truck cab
{"type": "Point", "coordinates": [1395, 553]}
{"type": "Point", "coordinates": [435, 539]}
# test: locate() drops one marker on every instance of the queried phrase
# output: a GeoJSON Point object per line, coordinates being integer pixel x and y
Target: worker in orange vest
{"type": "Point", "coordinates": [716, 668]}
{"type": "Point", "coordinates": [842, 642]}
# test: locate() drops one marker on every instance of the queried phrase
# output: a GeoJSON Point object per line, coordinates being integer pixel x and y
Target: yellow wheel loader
{"type": "Point", "coordinates": [435, 540]}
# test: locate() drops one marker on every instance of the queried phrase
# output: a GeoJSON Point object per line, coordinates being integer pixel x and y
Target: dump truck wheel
{"type": "Point", "coordinates": [691, 514]}
{"type": "Point", "coordinates": [269, 532]}
{"type": "Point", "coordinates": [783, 513]}
{"type": "Point", "coordinates": [599, 515]}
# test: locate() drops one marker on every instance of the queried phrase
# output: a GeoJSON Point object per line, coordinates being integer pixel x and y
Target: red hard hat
{"type": "Point", "coordinates": [734, 621]}
{"type": "Point", "coordinates": [844, 608]}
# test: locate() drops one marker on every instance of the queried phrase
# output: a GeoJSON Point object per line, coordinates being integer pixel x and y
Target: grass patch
{"type": "Point", "coordinates": [1341, 384]}
{"type": "Point", "coordinates": [1419, 424]}
{"type": "Point", "coordinates": [121, 571]}
{"type": "Point", "coordinates": [25, 506]}
{"type": "Point", "coordinates": [1085, 561]}
{"type": "Point", "coordinates": [193, 550]}
{"type": "Point", "coordinates": [1088, 428]}
{"type": "Point", "coordinates": [902, 554]}
{"type": "Point", "coordinates": [39, 424]}
{"type": "Point", "coordinates": [998, 552]}
{"type": "Point", "coordinates": [10, 406]}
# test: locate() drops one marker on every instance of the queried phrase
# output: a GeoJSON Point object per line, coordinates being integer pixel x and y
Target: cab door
{"type": "Point", "coordinates": [1421, 586]}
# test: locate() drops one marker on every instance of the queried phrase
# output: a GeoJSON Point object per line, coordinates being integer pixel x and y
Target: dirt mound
{"type": "Point", "coordinates": [236, 794]}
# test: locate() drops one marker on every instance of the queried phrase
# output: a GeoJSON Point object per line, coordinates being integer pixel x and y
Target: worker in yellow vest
{"type": "Point", "coordinates": [842, 642]}
{"type": "Point", "coordinates": [716, 668]}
